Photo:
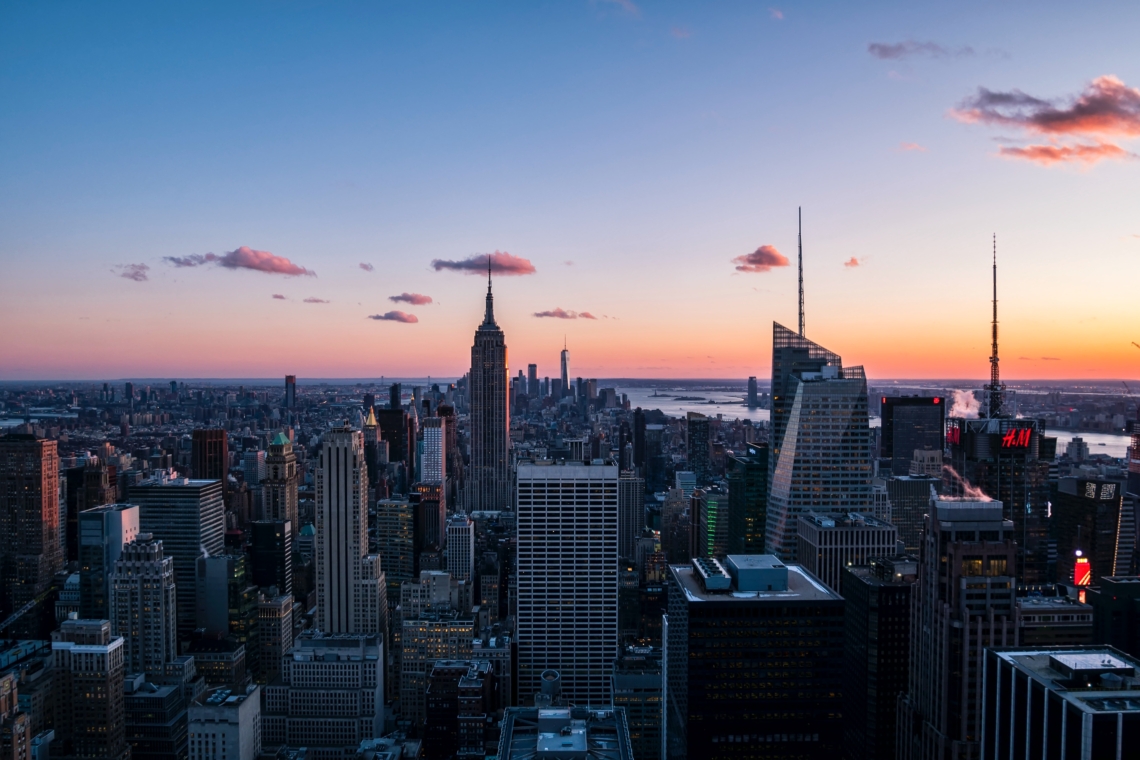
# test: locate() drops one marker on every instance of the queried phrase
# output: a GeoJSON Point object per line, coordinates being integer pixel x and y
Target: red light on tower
{"type": "Point", "coordinates": [937, 400]}
{"type": "Point", "coordinates": [1082, 571]}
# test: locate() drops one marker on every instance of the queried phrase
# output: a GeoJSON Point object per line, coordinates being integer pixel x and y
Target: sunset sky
{"type": "Point", "coordinates": [234, 189]}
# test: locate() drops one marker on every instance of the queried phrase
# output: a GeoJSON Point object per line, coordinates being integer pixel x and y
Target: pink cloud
{"type": "Point", "coordinates": [279, 297]}
{"type": "Point", "coordinates": [680, 32]}
{"type": "Point", "coordinates": [909, 146]}
{"type": "Point", "coordinates": [851, 262]}
{"type": "Point", "coordinates": [1047, 155]}
{"type": "Point", "coordinates": [366, 267]}
{"type": "Point", "coordinates": [136, 272]}
{"type": "Point", "coordinates": [242, 258]}
{"type": "Point", "coordinates": [416, 299]}
{"type": "Point", "coordinates": [312, 299]}
{"type": "Point", "coordinates": [761, 260]}
{"type": "Point", "coordinates": [559, 313]}
{"type": "Point", "coordinates": [501, 263]}
{"type": "Point", "coordinates": [626, 5]}
{"type": "Point", "coordinates": [396, 316]}
{"type": "Point", "coordinates": [776, 13]}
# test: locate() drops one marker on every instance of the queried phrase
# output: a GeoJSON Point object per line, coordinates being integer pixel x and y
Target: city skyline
{"type": "Point", "coordinates": [640, 176]}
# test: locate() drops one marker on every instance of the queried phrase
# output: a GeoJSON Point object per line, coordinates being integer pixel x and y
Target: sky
{"type": "Point", "coordinates": [250, 189]}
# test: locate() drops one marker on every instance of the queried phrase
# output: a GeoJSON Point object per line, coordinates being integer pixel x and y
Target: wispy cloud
{"type": "Point", "coordinates": [626, 5]}
{"type": "Point", "coordinates": [136, 272]}
{"type": "Point", "coordinates": [502, 263]}
{"type": "Point", "coordinates": [568, 263]}
{"type": "Point", "coordinates": [1076, 126]}
{"type": "Point", "coordinates": [279, 297]}
{"type": "Point", "coordinates": [416, 299]}
{"type": "Point", "coordinates": [761, 260]}
{"type": "Point", "coordinates": [852, 262]}
{"type": "Point", "coordinates": [366, 267]}
{"type": "Point", "coordinates": [1050, 359]}
{"type": "Point", "coordinates": [242, 258]}
{"type": "Point", "coordinates": [776, 13]}
{"type": "Point", "coordinates": [313, 299]}
{"type": "Point", "coordinates": [909, 146]}
{"type": "Point", "coordinates": [396, 316]}
{"type": "Point", "coordinates": [680, 32]}
{"type": "Point", "coordinates": [560, 313]}
{"type": "Point", "coordinates": [892, 51]}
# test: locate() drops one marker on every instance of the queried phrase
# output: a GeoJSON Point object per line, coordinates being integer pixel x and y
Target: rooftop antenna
{"type": "Point", "coordinates": [800, 213]}
{"type": "Point", "coordinates": [995, 387]}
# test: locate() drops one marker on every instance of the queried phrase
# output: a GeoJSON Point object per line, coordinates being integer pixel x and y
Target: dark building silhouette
{"type": "Point", "coordinates": [210, 455]}
{"type": "Point", "coordinates": [460, 700]}
{"type": "Point", "coordinates": [30, 551]}
{"type": "Point", "coordinates": [1087, 517]}
{"type": "Point", "coordinates": [88, 665]}
{"type": "Point", "coordinates": [639, 440]}
{"type": "Point", "coordinates": [1116, 613]}
{"type": "Point", "coordinates": [876, 653]}
{"type": "Point", "coordinates": [271, 554]}
{"type": "Point", "coordinates": [290, 391]}
{"type": "Point", "coordinates": [488, 485]}
{"type": "Point", "coordinates": [747, 499]}
{"type": "Point", "coordinates": [910, 423]}
{"type": "Point", "coordinates": [637, 690]}
{"type": "Point", "coordinates": [910, 500]}
{"type": "Point", "coordinates": [697, 446]}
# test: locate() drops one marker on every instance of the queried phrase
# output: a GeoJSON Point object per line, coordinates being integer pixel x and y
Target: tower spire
{"type": "Point", "coordinates": [995, 387]}
{"type": "Point", "coordinates": [800, 214]}
{"type": "Point", "coordinates": [489, 318]}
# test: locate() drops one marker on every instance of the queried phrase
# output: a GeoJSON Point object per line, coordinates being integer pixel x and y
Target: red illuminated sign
{"type": "Point", "coordinates": [1082, 572]}
{"type": "Point", "coordinates": [1016, 438]}
{"type": "Point", "coordinates": [937, 400]}
{"type": "Point", "coordinates": [953, 435]}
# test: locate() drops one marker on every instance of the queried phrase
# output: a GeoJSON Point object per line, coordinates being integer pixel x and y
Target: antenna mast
{"type": "Point", "coordinates": [800, 213]}
{"type": "Point", "coordinates": [995, 389]}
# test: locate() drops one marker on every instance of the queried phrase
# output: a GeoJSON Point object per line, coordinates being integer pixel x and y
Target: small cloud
{"type": "Point", "coordinates": [1050, 359]}
{"type": "Point", "coordinates": [570, 263]}
{"type": "Point", "coordinates": [416, 299]}
{"type": "Point", "coordinates": [396, 316]}
{"type": "Point", "coordinates": [560, 313]}
{"type": "Point", "coordinates": [890, 51]}
{"type": "Point", "coordinates": [366, 267]}
{"type": "Point", "coordinates": [315, 300]}
{"type": "Point", "coordinates": [501, 263]}
{"type": "Point", "coordinates": [776, 13]}
{"type": "Point", "coordinates": [680, 33]}
{"type": "Point", "coordinates": [1025, 358]}
{"type": "Point", "coordinates": [279, 297]}
{"type": "Point", "coordinates": [626, 5]}
{"type": "Point", "coordinates": [909, 146]}
{"type": "Point", "coordinates": [136, 272]}
{"type": "Point", "coordinates": [242, 258]}
{"type": "Point", "coordinates": [1085, 153]}
{"type": "Point", "coordinates": [761, 260]}
{"type": "Point", "coordinates": [851, 262]}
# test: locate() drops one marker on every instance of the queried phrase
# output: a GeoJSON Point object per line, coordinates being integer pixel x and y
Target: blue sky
{"type": "Point", "coordinates": [647, 144]}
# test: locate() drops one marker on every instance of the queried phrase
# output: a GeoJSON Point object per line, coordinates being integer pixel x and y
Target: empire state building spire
{"type": "Point", "coordinates": [488, 485]}
{"type": "Point", "coordinates": [489, 317]}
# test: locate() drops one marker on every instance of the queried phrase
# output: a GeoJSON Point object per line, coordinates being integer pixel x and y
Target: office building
{"type": "Point", "coordinates": [1053, 621]}
{"type": "Point", "coordinates": [432, 635]}
{"type": "Point", "coordinates": [1116, 613]}
{"type": "Point", "coordinates": [488, 480]}
{"type": "Point", "coordinates": [253, 467]}
{"type": "Point", "coordinates": [747, 499]}
{"type": "Point", "coordinates": [820, 458]}
{"type": "Point", "coordinates": [461, 548]}
{"type": "Point", "coordinates": [876, 652]}
{"type": "Point", "coordinates": [279, 489]}
{"type": "Point", "coordinates": [564, 363]}
{"type": "Point", "coordinates": [88, 662]}
{"type": "Point", "coordinates": [567, 556]}
{"type": "Point", "coordinates": [910, 424]}
{"type": "Point", "coordinates": [228, 603]}
{"type": "Point", "coordinates": [963, 604]}
{"type": "Point", "coordinates": [103, 532]}
{"type": "Point", "coordinates": [910, 496]}
{"type": "Point", "coordinates": [461, 703]}
{"type": "Point", "coordinates": [829, 542]}
{"type": "Point", "coordinates": [494, 645]}
{"type": "Point", "coordinates": [1073, 702]}
{"type": "Point", "coordinates": [210, 455]}
{"type": "Point", "coordinates": [30, 553]}
{"type": "Point", "coordinates": [290, 391]}
{"type": "Point", "coordinates": [351, 596]}
{"type": "Point", "coordinates": [637, 691]}
{"type": "Point", "coordinates": [271, 555]}
{"type": "Point", "coordinates": [927, 463]}
{"type": "Point", "coordinates": [15, 724]}
{"type": "Point", "coordinates": [753, 398]}
{"type": "Point", "coordinates": [550, 732]}
{"type": "Point", "coordinates": [697, 446]}
{"type": "Point", "coordinates": [999, 457]}
{"type": "Point", "coordinates": [188, 517]}
{"type": "Point", "coordinates": [686, 482]}
{"type": "Point", "coordinates": [631, 512]}
{"type": "Point", "coordinates": [731, 690]}
{"type": "Point", "coordinates": [396, 535]}
{"type": "Point", "coordinates": [1087, 515]}
{"type": "Point", "coordinates": [143, 607]}
{"type": "Point", "coordinates": [156, 710]}
{"type": "Point", "coordinates": [220, 660]}
{"type": "Point", "coordinates": [274, 635]}
{"type": "Point", "coordinates": [330, 695]}
{"type": "Point", "coordinates": [433, 465]}
{"type": "Point", "coordinates": [226, 725]}
{"type": "Point", "coordinates": [709, 511]}
{"type": "Point", "coordinates": [532, 387]}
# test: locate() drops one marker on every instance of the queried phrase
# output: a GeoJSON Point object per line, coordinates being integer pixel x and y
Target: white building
{"type": "Point", "coordinates": [253, 467]}
{"type": "Point", "coordinates": [433, 466]}
{"type": "Point", "coordinates": [461, 548]}
{"type": "Point", "coordinates": [226, 726]}
{"type": "Point", "coordinates": [567, 527]}
{"type": "Point", "coordinates": [351, 593]}
{"type": "Point", "coordinates": [144, 605]}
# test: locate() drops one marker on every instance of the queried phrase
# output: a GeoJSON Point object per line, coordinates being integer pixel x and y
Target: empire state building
{"type": "Point", "coordinates": [489, 484]}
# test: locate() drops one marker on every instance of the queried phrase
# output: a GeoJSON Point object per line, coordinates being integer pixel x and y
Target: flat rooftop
{"type": "Point", "coordinates": [1093, 678]}
{"type": "Point", "coordinates": [801, 586]}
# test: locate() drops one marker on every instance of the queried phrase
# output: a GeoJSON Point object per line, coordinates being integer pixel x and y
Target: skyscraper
{"type": "Point", "coordinates": [567, 528]}
{"type": "Point", "coordinates": [828, 543]}
{"type": "Point", "coordinates": [290, 391]}
{"type": "Point", "coordinates": [144, 606]}
{"type": "Point", "coordinates": [489, 483]}
{"type": "Point", "coordinates": [748, 499]}
{"type": "Point", "coordinates": [210, 455]}
{"type": "Point", "coordinates": [433, 466]}
{"type": "Point", "coordinates": [188, 517]}
{"type": "Point", "coordinates": [532, 388]}
{"type": "Point", "coordinates": [351, 597]}
{"type": "Point", "coordinates": [910, 423]}
{"type": "Point", "coordinates": [103, 532]}
{"type": "Point", "coordinates": [30, 553]}
{"type": "Point", "coordinates": [89, 668]}
{"type": "Point", "coordinates": [271, 555]}
{"type": "Point", "coordinates": [821, 440]}
{"type": "Point", "coordinates": [565, 362]}
{"type": "Point", "coordinates": [631, 512]}
{"type": "Point", "coordinates": [697, 446]}
{"type": "Point", "coordinates": [461, 548]}
{"type": "Point", "coordinates": [279, 489]}
{"type": "Point", "coordinates": [753, 399]}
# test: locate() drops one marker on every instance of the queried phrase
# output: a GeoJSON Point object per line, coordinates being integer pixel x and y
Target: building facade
{"type": "Point", "coordinates": [488, 480]}
{"type": "Point", "coordinates": [103, 532]}
{"type": "Point", "coordinates": [279, 488]}
{"type": "Point", "coordinates": [829, 542]}
{"type": "Point", "coordinates": [144, 606]}
{"type": "Point", "coordinates": [30, 551]}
